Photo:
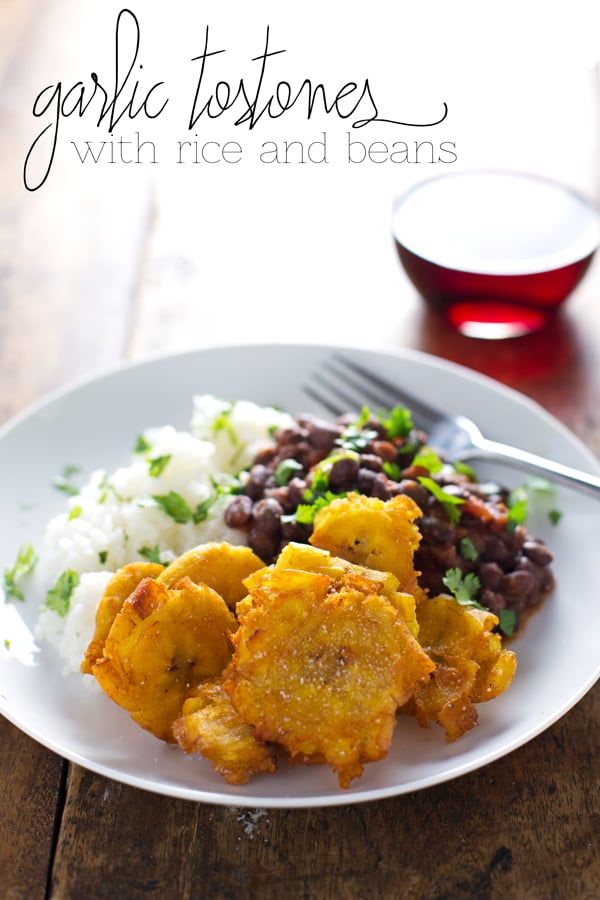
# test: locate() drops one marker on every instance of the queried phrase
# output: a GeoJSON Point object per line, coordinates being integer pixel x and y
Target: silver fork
{"type": "Point", "coordinates": [346, 386]}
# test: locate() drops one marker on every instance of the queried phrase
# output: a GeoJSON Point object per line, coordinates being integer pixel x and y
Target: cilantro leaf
{"type": "Point", "coordinates": [450, 502]}
{"type": "Point", "coordinates": [152, 554]}
{"type": "Point", "coordinates": [174, 505]}
{"type": "Point", "coordinates": [464, 588]}
{"type": "Point", "coordinates": [141, 445]}
{"type": "Point", "coordinates": [286, 470]}
{"type": "Point", "coordinates": [158, 465]}
{"type": "Point", "coordinates": [467, 549]}
{"type": "Point", "coordinates": [24, 565]}
{"type": "Point", "coordinates": [397, 421]}
{"type": "Point", "coordinates": [508, 621]}
{"type": "Point", "coordinates": [58, 597]}
{"type": "Point", "coordinates": [63, 481]}
{"type": "Point", "coordinates": [223, 423]}
{"type": "Point", "coordinates": [428, 459]}
{"type": "Point", "coordinates": [392, 470]}
{"type": "Point", "coordinates": [306, 512]}
{"type": "Point", "coordinates": [356, 437]}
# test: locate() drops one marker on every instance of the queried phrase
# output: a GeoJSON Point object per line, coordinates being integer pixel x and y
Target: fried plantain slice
{"type": "Point", "coordinates": [370, 532]}
{"type": "Point", "coordinates": [209, 725]}
{"type": "Point", "coordinates": [320, 667]}
{"type": "Point", "coordinates": [221, 566]}
{"type": "Point", "coordinates": [118, 589]}
{"type": "Point", "coordinates": [471, 665]}
{"type": "Point", "coordinates": [163, 642]}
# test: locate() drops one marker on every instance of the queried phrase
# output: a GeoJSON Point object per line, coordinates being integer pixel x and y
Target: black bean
{"type": "Point", "coordinates": [371, 461]}
{"type": "Point", "coordinates": [266, 546]}
{"type": "Point", "coordinates": [495, 550]}
{"type": "Point", "coordinates": [490, 575]}
{"type": "Point", "coordinates": [437, 530]}
{"type": "Point", "coordinates": [294, 531]}
{"type": "Point", "coordinates": [267, 516]}
{"type": "Point", "coordinates": [493, 601]}
{"type": "Point", "coordinates": [415, 491]}
{"type": "Point", "coordinates": [382, 487]}
{"type": "Point", "coordinates": [519, 583]}
{"type": "Point", "coordinates": [239, 512]}
{"type": "Point", "coordinates": [537, 552]}
{"type": "Point", "coordinates": [343, 474]}
{"type": "Point", "coordinates": [258, 477]}
{"type": "Point", "coordinates": [296, 490]}
{"type": "Point", "coordinates": [322, 435]}
{"type": "Point", "coordinates": [385, 450]}
{"type": "Point", "coordinates": [364, 482]}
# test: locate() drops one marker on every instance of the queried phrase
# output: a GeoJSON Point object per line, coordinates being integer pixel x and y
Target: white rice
{"type": "Point", "coordinates": [113, 516]}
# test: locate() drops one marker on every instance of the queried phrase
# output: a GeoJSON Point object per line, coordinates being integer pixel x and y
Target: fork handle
{"type": "Point", "coordinates": [521, 459]}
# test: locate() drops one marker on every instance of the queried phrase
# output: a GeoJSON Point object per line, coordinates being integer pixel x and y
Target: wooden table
{"type": "Point", "coordinates": [100, 267]}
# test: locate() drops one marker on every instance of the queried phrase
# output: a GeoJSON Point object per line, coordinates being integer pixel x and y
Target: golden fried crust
{"type": "Point", "coordinates": [471, 665]}
{"type": "Point", "coordinates": [321, 670]}
{"type": "Point", "coordinates": [118, 589]}
{"type": "Point", "coordinates": [221, 566]}
{"type": "Point", "coordinates": [374, 533]}
{"type": "Point", "coordinates": [209, 725]}
{"type": "Point", "coordinates": [163, 642]}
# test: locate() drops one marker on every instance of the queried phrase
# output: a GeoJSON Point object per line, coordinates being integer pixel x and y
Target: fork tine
{"type": "Point", "coordinates": [423, 415]}
{"type": "Point", "coordinates": [334, 408]}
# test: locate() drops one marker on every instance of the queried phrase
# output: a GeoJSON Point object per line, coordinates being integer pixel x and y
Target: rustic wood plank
{"type": "Point", "coordinates": [30, 792]}
{"type": "Point", "coordinates": [525, 826]}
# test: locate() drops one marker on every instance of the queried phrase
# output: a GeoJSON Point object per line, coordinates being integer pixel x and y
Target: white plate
{"type": "Point", "coordinates": [94, 425]}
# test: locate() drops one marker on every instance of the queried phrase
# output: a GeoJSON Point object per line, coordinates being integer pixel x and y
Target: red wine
{"type": "Point", "coordinates": [495, 252]}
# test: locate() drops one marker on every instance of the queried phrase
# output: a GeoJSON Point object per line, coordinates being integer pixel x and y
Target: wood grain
{"type": "Point", "coordinates": [30, 800]}
{"type": "Point", "coordinates": [525, 826]}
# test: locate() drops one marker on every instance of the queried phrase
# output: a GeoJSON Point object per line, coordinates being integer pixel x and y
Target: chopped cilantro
{"type": "Point", "coordinates": [201, 511]}
{"type": "Point", "coordinates": [464, 589]}
{"type": "Point", "coordinates": [463, 469]}
{"type": "Point", "coordinates": [158, 465]}
{"type": "Point", "coordinates": [141, 445]}
{"type": "Point", "coordinates": [225, 484]}
{"type": "Point", "coordinates": [534, 494]}
{"type": "Point", "coordinates": [58, 597]}
{"type": "Point", "coordinates": [223, 423]}
{"type": "Point", "coordinates": [106, 486]}
{"type": "Point", "coordinates": [103, 556]}
{"type": "Point", "coordinates": [306, 512]}
{"type": "Point", "coordinates": [152, 554]}
{"type": "Point", "coordinates": [355, 437]}
{"type": "Point", "coordinates": [75, 512]}
{"type": "Point", "coordinates": [63, 481]}
{"type": "Point", "coordinates": [517, 512]}
{"type": "Point", "coordinates": [397, 422]}
{"type": "Point", "coordinates": [428, 459]}
{"type": "Point", "coordinates": [7, 643]}
{"type": "Point", "coordinates": [286, 470]}
{"type": "Point", "coordinates": [450, 502]}
{"type": "Point", "coordinates": [508, 621]}
{"type": "Point", "coordinates": [24, 565]}
{"type": "Point", "coordinates": [392, 470]}
{"type": "Point", "coordinates": [467, 549]}
{"type": "Point", "coordinates": [175, 506]}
